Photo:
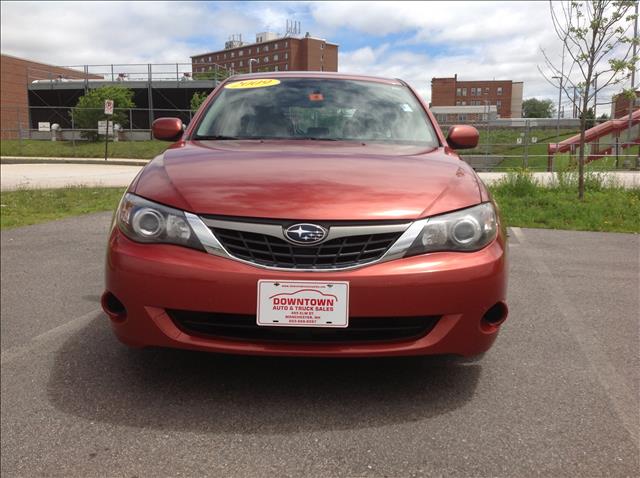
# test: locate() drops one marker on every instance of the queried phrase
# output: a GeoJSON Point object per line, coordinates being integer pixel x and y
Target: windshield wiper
{"type": "Point", "coordinates": [215, 137]}
{"type": "Point", "coordinates": [315, 138]}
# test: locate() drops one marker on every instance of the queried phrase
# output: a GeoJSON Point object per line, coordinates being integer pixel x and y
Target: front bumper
{"type": "Point", "coordinates": [149, 279]}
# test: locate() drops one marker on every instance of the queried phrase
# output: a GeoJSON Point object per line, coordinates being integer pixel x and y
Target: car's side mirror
{"type": "Point", "coordinates": [463, 137]}
{"type": "Point", "coordinates": [167, 129]}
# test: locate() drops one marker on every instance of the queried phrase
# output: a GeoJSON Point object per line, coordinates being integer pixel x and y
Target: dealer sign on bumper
{"type": "Point", "coordinates": [303, 303]}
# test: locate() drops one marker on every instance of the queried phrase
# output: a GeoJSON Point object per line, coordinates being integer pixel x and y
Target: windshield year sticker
{"type": "Point", "coordinates": [257, 83]}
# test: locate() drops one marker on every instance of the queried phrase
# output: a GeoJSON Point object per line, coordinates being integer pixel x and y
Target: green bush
{"type": "Point", "coordinates": [197, 99]}
{"type": "Point", "coordinates": [90, 109]}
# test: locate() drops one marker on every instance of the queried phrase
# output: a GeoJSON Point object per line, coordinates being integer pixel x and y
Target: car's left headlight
{"type": "Point", "coordinates": [467, 230]}
{"type": "Point", "coordinates": [142, 220]}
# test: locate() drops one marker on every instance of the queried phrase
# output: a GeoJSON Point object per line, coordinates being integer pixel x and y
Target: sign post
{"type": "Point", "coordinates": [108, 110]}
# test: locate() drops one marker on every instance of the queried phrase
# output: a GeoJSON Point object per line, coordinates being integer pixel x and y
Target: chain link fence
{"type": "Point", "coordinates": [503, 144]}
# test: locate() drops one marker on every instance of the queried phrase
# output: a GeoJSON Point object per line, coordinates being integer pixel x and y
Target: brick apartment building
{"type": "Point", "coordinates": [272, 53]}
{"type": "Point", "coordinates": [620, 105]}
{"type": "Point", "coordinates": [15, 76]}
{"type": "Point", "coordinates": [505, 95]}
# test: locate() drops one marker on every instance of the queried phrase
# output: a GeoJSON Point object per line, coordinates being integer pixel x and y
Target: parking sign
{"type": "Point", "coordinates": [108, 107]}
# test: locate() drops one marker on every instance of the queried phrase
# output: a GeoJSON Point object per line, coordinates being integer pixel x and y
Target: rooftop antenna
{"type": "Point", "coordinates": [293, 28]}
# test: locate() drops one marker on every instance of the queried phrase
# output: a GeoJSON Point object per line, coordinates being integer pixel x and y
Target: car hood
{"type": "Point", "coordinates": [305, 180]}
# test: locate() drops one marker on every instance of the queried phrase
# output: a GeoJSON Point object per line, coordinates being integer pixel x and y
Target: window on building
{"type": "Point", "coordinates": [241, 53]}
{"type": "Point", "coordinates": [275, 68]}
{"type": "Point", "coordinates": [257, 49]}
{"type": "Point", "coordinates": [498, 104]}
{"type": "Point", "coordinates": [286, 55]}
{"type": "Point", "coordinates": [499, 90]}
{"type": "Point", "coordinates": [322, 46]}
{"type": "Point", "coordinates": [233, 54]}
{"type": "Point", "coordinates": [321, 57]}
{"type": "Point", "coordinates": [462, 117]}
{"type": "Point", "coordinates": [473, 92]}
{"type": "Point", "coordinates": [458, 91]}
{"type": "Point", "coordinates": [275, 57]}
{"type": "Point", "coordinates": [275, 46]}
{"type": "Point", "coordinates": [266, 48]}
{"type": "Point", "coordinates": [464, 103]}
{"type": "Point", "coordinates": [286, 67]}
{"type": "Point", "coordinates": [217, 57]}
{"type": "Point", "coordinates": [240, 63]}
{"type": "Point", "coordinates": [486, 91]}
{"type": "Point", "coordinates": [286, 44]}
{"type": "Point", "coordinates": [225, 56]}
{"type": "Point", "coordinates": [249, 51]}
{"type": "Point", "coordinates": [458, 102]}
{"type": "Point", "coordinates": [464, 92]}
{"type": "Point", "coordinates": [209, 59]}
{"type": "Point", "coordinates": [265, 59]}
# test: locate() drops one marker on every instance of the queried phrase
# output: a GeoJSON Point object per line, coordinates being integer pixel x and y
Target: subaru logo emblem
{"type": "Point", "coordinates": [304, 233]}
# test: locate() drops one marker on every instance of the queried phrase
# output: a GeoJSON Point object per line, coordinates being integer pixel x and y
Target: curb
{"type": "Point", "coordinates": [44, 160]}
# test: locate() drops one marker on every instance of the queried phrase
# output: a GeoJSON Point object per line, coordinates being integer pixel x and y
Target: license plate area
{"type": "Point", "coordinates": [283, 303]}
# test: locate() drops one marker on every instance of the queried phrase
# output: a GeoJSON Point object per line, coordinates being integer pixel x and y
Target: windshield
{"type": "Point", "coordinates": [320, 109]}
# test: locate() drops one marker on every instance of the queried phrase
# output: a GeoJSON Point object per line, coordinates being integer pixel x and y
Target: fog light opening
{"type": "Point", "coordinates": [113, 307]}
{"type": "Point", "coordinates": [496, 315]}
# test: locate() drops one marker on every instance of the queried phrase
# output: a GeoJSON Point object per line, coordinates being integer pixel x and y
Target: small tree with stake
{"type": "Point", "coordinates": [90, 109]}
{"type": "Point", "coordinates": [597, 37]}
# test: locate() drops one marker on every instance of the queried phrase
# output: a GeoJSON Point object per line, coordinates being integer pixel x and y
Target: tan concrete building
{"type": "Point", "coordinates": [505, 95]}
{"type": "Point", "coordinates": [271, 53]}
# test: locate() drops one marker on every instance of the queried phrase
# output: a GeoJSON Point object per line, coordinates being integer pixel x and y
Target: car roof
{"type": "Point", "coordinates": [316, 74]}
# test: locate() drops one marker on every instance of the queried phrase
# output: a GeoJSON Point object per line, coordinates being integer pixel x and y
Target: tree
{"type": "Point", "coordinates": [535, 108]}
{"type": "Point", "coordinates": [595, 35]}
{"type": "Point", "coordinates": [589, 118]}
{"type": "Point", "coordinates": [90, 109]}
{"type": "Point", "coordinates": [197, 99]}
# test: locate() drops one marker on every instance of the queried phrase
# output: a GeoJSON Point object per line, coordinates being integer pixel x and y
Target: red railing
{"type": "Point", "coordinates": [601, 140]}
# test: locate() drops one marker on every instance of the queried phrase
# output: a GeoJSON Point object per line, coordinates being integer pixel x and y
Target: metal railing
{"type": "Point", "coordinates": [127, 72]}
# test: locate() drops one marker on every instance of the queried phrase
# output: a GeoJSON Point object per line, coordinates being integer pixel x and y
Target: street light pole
{"type": "Point", "coordinates": [251, 61]}
{"type": "Point", "coordinates": [559, 106]}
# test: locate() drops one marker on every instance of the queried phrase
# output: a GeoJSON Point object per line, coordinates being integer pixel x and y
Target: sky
{"type": "Point", "coordinates": [414, 41]}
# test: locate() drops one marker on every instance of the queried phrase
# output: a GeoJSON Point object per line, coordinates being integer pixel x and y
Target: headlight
{"type": "Point", "coordinates": [466, 230]}
{"type": "Point", "coordinates": [144, 221]}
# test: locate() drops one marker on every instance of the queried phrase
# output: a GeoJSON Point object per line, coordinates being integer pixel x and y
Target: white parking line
{"type": "Point", "coordinates": [18, 351]}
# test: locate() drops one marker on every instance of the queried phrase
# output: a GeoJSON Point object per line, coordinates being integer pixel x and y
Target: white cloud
{"type": "Point", "coordinates": [411, 40]}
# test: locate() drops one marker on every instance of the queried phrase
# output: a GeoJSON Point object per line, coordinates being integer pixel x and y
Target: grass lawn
{"type": "Point", "coordinates": [82, 149]}
{"type": "Point", "coordinates": [32, 206]}
{"type": "Point", "coordinates": [523, 203]}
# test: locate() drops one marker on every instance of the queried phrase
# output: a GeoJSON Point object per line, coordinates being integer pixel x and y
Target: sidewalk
{"type": "Point", "coordinates": [61, 172]}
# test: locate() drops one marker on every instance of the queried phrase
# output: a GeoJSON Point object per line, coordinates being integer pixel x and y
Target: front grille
{"type": "Point", "coordinates": [244, 327]}
{"type": "Point", "coordinates": [337, 253]}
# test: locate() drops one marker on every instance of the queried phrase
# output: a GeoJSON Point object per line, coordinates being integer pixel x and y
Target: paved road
{"type": "Point", "coordinates": [13, 176]}
{"type": "Point", "coordinates": [557, 396]}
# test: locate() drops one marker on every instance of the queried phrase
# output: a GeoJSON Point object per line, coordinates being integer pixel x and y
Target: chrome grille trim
{"type": "Point", "coordinates": [202, 228]}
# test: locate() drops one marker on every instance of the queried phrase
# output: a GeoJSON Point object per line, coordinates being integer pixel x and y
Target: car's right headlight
{"type": "Point", "coordinates": [466, 230]}
{"type": "Point", "coordinates": [142, 220]}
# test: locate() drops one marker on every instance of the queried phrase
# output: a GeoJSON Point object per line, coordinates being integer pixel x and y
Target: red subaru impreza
{"type": "Point", "coordinates": [308, 214]}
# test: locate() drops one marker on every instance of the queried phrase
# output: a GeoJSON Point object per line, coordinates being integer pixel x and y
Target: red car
{"type": "Point", "coordinates": [309, 214]}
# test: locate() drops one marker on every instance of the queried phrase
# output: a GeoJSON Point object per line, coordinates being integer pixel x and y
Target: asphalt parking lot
{"type": "Point", "coordinates": [558, 394]}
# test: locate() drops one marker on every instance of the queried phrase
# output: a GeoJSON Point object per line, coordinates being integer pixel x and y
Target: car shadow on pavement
{"type": "Point", "coordinates": [97, 378]}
